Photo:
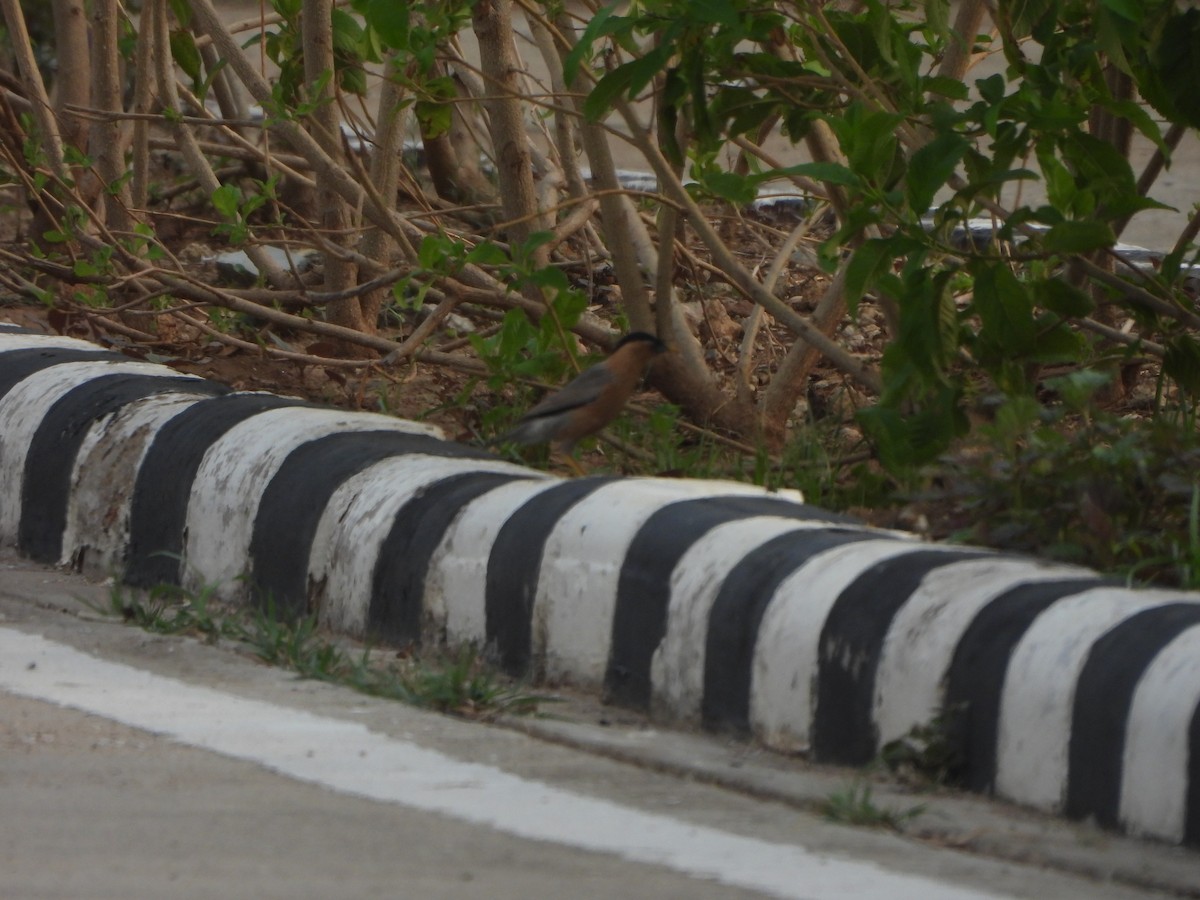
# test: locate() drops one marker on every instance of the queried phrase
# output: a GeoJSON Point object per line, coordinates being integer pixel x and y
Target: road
{"type": "Point", "coordinates": [145, 766]}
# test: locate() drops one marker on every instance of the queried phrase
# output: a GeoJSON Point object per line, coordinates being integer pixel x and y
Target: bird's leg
{"type": "Point", "coordinates": [574, 465]}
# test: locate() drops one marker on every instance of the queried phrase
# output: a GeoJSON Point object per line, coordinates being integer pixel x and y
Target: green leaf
{"type": "Point", "coordinates": [1173, 68]}
{"type": "Point", "coordinates": [1005, 310]}
{"type": "Point", "coordinates": [625, 80]}
{"type": "Point", "coordinates": [946, 87]}
{"type": "Point", "coordinates": [830, 173]}
{"type": "Point", "coordinates": [1075, 237]}
{"type": "Point", "coordinates": [1141, 119]}
{"type": "Point", "coordinates": [434, 117]}
{"type": "Point", "coordinates": [1078, 388]}
{"type": "Point", "coordinates": [931, 167]}
{"type": "Point", "coordinates": [433, 250]}
{"type": "Point", "coordinates": [739, 189]}
{"type": "Point", "coordinates": [1057, 342]}
{"type": "Point", "coordinates": [1182, 363]}
{"type": "Point", "coordinates": [869, 261]}
{"type": "Point", "coordinates": [868, 139]}
{"type": "Point", "coordinates": [991, 89]}
{"type": "Point", "coordinates": [352, 80]}
{"type": "Point", "coordinates": [1026, 15]}
{"type": "Point", "coordinates": [182, 10]}
{"type": "Point", "coordinates": [487, 254]}
{"type": "Point", "coordinates": [995, 179]}
{"type": "Point", "coordinates": [186, 55]}
{"type": "Point", "coordinates": [227, 200]}
{"type": "Point", "coordinates": [1061, 298]}
{"type": "Point", "coordinates": [1127, 9]}
{"type": "Point", "coordinates": [604, 23]}
{"type": "Point", "coordinates": [714, 12]}
{"type": "Point", "coordinates": [347, 33]}
{"type": "Point", "coordinates": [1060, 183]}
{"type": "Point", "coordinates": [912, 438]}
{"type": "Point", "coordinates": [390, 19]}
{"type": "Point", "coordinates": [937, 16]}
{"type": "Point", "coordinates": [569, 306]}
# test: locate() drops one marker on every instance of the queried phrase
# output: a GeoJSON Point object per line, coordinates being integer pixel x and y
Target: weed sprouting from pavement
{"type": "Point", "coordinates": [854, 805]}
{"type": "Point", "coordinates": [459, 683]}
{"type": "Point", "coordinates": [931, 753]}
{"type": "Point", "coordinates": [169, 609]}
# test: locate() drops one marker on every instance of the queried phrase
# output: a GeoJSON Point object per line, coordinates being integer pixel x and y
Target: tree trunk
{"type": "Point", "coordinates": [73, 79]}
{"type": "Point", "coordinates": [514, 162]}
{"type": "Point", "coordinates": [108, 137]}
{"type": "Point", "coordinates": [340, 275]}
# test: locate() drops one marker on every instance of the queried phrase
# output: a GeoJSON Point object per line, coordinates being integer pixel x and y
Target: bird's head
{"type": "Point", "coordinates": [643, 340]}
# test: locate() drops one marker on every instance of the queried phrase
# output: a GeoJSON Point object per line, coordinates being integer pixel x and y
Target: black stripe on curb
{"type": "Point", "coordinates": [46, 487]}
{"type": "Point", "coordinates": [1103, 698]}
{"type": "Point", "coordinates": [737, 612]}
{"type": "Point", "coordinates": [514, 563]}
{"type": "Point", "coordinates": [292, 504]}
{"type": "Point", "coordinates": [843, 727]}
{"type": "Point", "coordinates": [644, 586]}
{"type": "Point", "coordinates": [158, 512]}
{"type": "Point", "coordinates": [20, 364]}
{"type": "Point", "coordinates": [398, 584]}
{"type": "Point", "coordinates": [975, 678]}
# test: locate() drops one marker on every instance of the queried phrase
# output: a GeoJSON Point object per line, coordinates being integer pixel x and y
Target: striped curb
{"type": "Point", "coordinates": [703, 602]}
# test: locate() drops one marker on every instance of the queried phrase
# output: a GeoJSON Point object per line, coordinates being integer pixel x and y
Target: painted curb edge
{"type": "Point", "coordinates": [707, 602]}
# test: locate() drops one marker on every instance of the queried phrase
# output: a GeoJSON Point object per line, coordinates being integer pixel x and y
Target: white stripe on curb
{"type": "Point", "coordinates": [110, 455]}
{"type": "Point", "coordinates": [922, 639]}
{"type": "Point", "coordinates": [581, 568]}
{"type": "Point", "coordinates": [357, 519]}
{"type": "Point", "coordinates": [454, 591]}
{"type": "Point", "coordinates": [235, 471]}
{"type": "Point", "coordinates": [1156, 745]}
{"type": "Point", "coordinates": [678, 667]}
{"type": "Point", "coordinates": [1031, 757]}
{"type": "Point", "coordinates": [24, 407]}
{"type": "Point", "coordinates": [785, 658]}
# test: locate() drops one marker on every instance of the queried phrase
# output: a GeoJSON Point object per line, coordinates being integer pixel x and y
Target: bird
{"type": "Point", "coordinates": [592, 400]}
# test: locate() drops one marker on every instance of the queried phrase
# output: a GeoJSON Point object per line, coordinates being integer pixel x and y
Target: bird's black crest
{"type": "Point", "coordinates": [635, 336]}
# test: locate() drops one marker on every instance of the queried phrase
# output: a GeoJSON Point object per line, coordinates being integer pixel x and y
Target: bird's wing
{"type": "Point", "coordinates": [580, 392]}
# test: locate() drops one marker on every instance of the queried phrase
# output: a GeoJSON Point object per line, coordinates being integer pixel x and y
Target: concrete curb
{"type": "Point", "coordinates": [706, 602]}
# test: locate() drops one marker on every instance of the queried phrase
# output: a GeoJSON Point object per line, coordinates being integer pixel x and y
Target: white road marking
{"type": "Point", "coordinates": [349, 758]}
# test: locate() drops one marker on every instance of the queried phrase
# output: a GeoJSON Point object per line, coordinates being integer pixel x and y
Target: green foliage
{"type": "Point", "coordinates": [237, 209]}
{"type": "Point", "coordinates": [416, 34]}
{"type": "Point", "coordinates": [1072, 483]}
{"type": "Point", "coordinates": [921, 158]}
{"type": "Point", "coordinates": [169, 609]}
{"type": "Point", "coordinates": [458, 683]}
{"type": "Point", "coordinates": [854, 805]}
{"type": "Point", "coordinates": [355, 44]}
{"type": "Point", "coordinates": [522, 350]}
{"type": "Point", "coordinates": [440, 255]}
{"type": "Point", "coordinates": [929, 753]}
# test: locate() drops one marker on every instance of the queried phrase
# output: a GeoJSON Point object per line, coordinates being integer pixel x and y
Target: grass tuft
{"type": "Point", "coordinates": [854, 805]}
{"type": "Point", "coordinates": [459, 683]}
